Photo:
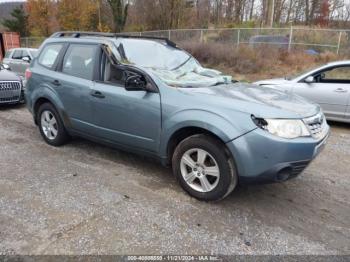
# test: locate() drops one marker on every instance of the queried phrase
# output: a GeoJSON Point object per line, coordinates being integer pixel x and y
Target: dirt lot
{"type": "Point", "coordinates": [84, 198]}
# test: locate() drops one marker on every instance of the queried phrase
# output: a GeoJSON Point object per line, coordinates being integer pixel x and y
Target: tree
{"type": "Point", "coordinates": [79, 15]}
{"type": "Point", "coordinates": [119, 12]}
{"type": "Point", "coordinates": [19, 21]}
{"type": "Point", "coordinates": [268, 10]}
{"type": "Point", "coordinates": [42, 16]}
{"type": "Point", "coordinates": [323, 16]}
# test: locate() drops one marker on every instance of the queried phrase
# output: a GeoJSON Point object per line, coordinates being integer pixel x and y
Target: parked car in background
{"type": "Point", "coordinates": [148, 96]}
{"type": "Point", "coordinates": [11, 88]}
{"type": "Point", "coordinates": [276, 41]}
{"type": "Point", "coordinates": [18, 59]}
{"type": "Point", "coordinates": [328, 86]}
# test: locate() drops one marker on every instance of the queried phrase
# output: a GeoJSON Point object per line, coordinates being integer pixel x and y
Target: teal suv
{"type": "Point", "coordinates": [148, 96]}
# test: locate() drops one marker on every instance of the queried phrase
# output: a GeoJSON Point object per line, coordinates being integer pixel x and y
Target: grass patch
{"type": "Point", "coordinates": [249, 64]}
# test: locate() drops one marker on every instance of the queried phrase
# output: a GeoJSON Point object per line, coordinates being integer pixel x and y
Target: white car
{"type": "Point", "coordinates": [328, 86]}
{"type": "Point", "coordinates": [18, 59]}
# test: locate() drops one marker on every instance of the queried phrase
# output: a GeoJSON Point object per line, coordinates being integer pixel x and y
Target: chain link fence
{"type": "Point", "coordinates": [313, 40]}
{"type": "Point", "coordinates": [32, 42]}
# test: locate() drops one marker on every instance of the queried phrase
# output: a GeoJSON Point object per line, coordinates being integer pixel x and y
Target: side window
{"type": "Point", "coordinates": [110, 73]}
{"type": "Point", "coordinates": [17, 54]}
{"type": "Point", "coordinates": [79, 61]}
{"type": "Point", "coordinates": [34, 53]}
{"type": "Point", "coordinates": [49, 55]}
{"type": "Point", "coordinates": [338, 74]}
{"type": "Point", "coordinates": [25, 54]}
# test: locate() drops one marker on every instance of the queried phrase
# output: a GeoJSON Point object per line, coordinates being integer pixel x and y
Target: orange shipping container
{"type": "Point", "coordinates": [8, 40]}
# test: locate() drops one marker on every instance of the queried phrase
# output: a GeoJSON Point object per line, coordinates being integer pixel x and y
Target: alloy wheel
{"type": "Point", "coordinates": [200, 170]}
{"type": "Point", "coordinates": [49, 125]}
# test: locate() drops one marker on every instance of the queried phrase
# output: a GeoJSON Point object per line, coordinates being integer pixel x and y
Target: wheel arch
{"type": "Point", "coordinates": [185, 132]}
{"type": "Point", "coordinates": [44, 99]}
{"type": "Point", "coordinates": [40, 101]}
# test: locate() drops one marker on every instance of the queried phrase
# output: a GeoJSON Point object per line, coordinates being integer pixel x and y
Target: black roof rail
{"type": "Point", "coordinates": [77, 34]}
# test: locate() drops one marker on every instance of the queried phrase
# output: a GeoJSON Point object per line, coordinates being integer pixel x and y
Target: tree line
{"type": "Point", "coordinates": [43, 17]}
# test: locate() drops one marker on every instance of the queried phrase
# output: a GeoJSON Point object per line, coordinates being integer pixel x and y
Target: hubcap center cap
{"type": "Point", "coordinates": [198, 171]}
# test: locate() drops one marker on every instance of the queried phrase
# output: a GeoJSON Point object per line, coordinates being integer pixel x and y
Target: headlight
{"type": "Point", "coordinates": [285, 128]}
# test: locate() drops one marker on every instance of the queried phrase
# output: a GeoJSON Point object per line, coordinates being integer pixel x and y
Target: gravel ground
{"type": "Point", "coordinates": [84, 198]}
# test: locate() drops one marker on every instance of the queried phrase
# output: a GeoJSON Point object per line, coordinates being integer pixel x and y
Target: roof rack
{"type": "Point", "coordinates": [77, 34]}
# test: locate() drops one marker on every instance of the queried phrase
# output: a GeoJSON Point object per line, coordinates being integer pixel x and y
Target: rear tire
{"type": "Point", "coordinates": [51, 126]}
{"type": "Point", "coordinates": [203, 168]}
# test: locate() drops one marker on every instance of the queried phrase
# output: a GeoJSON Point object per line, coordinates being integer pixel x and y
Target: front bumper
{"type": "Point", "coordinates": [261, 157]}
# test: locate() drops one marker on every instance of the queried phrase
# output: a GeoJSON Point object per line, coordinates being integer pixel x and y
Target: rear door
{"type": "Point", "coordinates": [23, 65]}
{"type": "Point", "coordinates": [331, 90]}
{"type": "Point", "coordinates": [73, 83]}
{"type": "Point", "coordinates": [347, 114]}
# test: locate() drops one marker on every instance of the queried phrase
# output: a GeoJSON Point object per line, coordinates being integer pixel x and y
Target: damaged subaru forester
{"type": "Point", "coordinates": [148, 96]}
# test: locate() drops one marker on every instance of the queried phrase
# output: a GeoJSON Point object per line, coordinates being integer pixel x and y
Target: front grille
{"type": "Point", "coordinates": [10, 91]}
{"type": "Point", "coordinates": [317, 125]}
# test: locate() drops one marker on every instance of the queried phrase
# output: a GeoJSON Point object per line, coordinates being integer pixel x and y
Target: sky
{"type": "Point", "coordinates": [3, 1]}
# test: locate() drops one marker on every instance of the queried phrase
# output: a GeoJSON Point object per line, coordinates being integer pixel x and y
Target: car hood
{"type": "Point", "coordinates": [260, 101]}
{"type": "Point", "coordinates": [6, 75]}
{"type": "Point", "coordinates": [275, 81]}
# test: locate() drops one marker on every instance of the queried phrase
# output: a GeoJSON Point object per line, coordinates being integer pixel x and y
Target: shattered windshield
{"type": "Point", "coordinates": [173, 66]}
{"type": "Point", "coordinates": [151, 54]}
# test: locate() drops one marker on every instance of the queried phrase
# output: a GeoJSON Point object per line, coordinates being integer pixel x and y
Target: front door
{"type": "Point", "coordinates": [23, 65]}
{"type": "Point", "coordinates": [330, 89]}
{"type": "Point", "coordinates": [129, 118]}
{"type": "Point", "coordinates": [16, 60]}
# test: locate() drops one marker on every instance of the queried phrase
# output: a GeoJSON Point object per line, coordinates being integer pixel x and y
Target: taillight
{"type": "Point", "coordinates": [28, 74]}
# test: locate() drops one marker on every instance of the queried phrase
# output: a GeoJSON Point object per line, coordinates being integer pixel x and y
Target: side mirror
{"type": "Point", "coordinates": [26, 59]}
{"type": "Point", "coordinates": [135, 83]}
{"type": "Point", "coordinates": [310, 79]}
{"type": "Point", "coordinates": [5, 66]}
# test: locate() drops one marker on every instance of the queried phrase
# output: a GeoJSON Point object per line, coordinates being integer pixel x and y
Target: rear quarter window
{"type": "Point", "coordinates": [49, 55]}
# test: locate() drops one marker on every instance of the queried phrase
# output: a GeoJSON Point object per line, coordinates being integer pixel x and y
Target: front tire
{"type": "Point", "coordinates": [203, 168]}
{"type": "Point", "coordinates": [51, 126]}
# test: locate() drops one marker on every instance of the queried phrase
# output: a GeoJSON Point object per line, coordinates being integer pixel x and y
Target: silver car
{"type": "Point", "coordinates": [18, 59]}
{"type": "Point", "coordinates": [328, 86]}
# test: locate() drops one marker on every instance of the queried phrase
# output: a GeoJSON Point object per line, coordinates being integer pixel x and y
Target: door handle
{"type": "Point", "coordinates": [56, 83]}
{"type": "Point", "coordinates": [340, 90]}
{"type": "Point", "coordinates": [97, 94]}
